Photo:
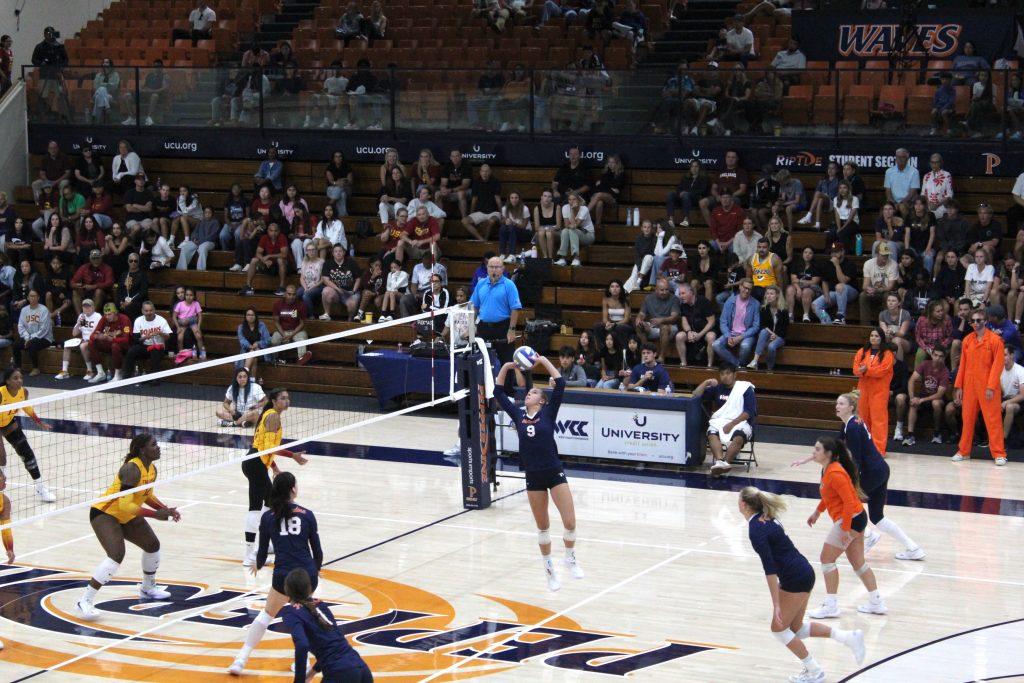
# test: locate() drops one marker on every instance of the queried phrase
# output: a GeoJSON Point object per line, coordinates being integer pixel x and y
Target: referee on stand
{"type": "Point", "coordinates": [496, 300]}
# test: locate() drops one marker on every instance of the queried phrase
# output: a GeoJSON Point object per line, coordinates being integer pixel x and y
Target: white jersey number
{"type": "Point", "coordinates": [531, 431]}
{"type": "Point", "coordinates": [292, 526]}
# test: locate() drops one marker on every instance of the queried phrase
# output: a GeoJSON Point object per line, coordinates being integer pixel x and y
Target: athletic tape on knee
{"type": "Point", "coordinates": [569, 535]}
{"type": "Point", "coordinates": [784, 636]}
{"type": "Point", "coordinates": [863, 568]}
{"type": "Point", "coordinates": [543, 537]}
{"type": "Point", "coordinates": [150, 562]}
{"type": "Point", "coordinates": [827, 567]}
{"type": "Point", "coordinates": [252, 521]}
{"type": "Point", "coordinates": [106, 570]}
{"type": "Point", "coordinates": [805, 631]}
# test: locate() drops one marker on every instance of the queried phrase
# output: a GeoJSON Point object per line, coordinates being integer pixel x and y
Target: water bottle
{"type": "Point", "coordinates": [858, 248]}
{"type": "Point", "coordinates": [629, 218]}
{"type": "Point", "coordinates": [636, 216]}
{"type": "Point", "coordinates": [400, 347]}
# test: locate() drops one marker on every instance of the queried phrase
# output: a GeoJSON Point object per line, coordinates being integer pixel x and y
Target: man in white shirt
{"type": "Point", "coordinates": [200, 20]}
{"type": "Point", "coordinates": [735, 42]}
{"type": "Point", "coordinates": [149, 333]}
{"type": "Point", "coordinates": [1012, 383]}
{"type": "Point", "coordinates": [790, 59]}
{"type": "Point", "coordinates": [902, 182]}
{"type": "Point", "coordinates": [744, 245]}
{"type": "Point", "coordinates": [937, 186]}
{"type": "Point", "coordinates": [87, 321]}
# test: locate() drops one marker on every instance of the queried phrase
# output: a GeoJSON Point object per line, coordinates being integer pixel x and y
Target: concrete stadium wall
{"type": "Point", "coordinates": [67, 16]}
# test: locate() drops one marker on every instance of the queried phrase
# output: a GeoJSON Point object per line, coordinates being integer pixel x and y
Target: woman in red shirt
{"type": "Point", "coordinates": [841, 496]}
{"type": "Point", "coordinates": [873, 366]}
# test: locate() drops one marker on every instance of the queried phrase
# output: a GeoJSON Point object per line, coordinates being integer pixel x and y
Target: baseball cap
{"type": "Point", "coordinates": [88, 302]}
{"type": "Point", "coordinates": [109, 307]}
{"type": "Point", "coordinates": [884, 248]}
{"type": "Point", "coordinates": [676, 247]}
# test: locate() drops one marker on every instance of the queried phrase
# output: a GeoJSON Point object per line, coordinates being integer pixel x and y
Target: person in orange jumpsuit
{"type": "Point", "coordinates": [977, 387]}
{"type": "Point", "coordinates": [873, 367]}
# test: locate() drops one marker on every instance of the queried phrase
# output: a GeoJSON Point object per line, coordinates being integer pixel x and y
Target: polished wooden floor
{"type": "Point", "coordinates": [665, 566]}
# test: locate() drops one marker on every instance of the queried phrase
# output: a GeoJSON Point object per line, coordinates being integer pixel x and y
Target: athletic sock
{"type": "Point", "coordinates": [105, 571]}
{"type": "Point", "coordinates": [549, 566]}
{"type": "Point", "coordinates": [811, 664]}
{"type": "Point", "coordinates": [150, 563]}
{"type": "Point", "coordinates": [893, 529]}
{"type": "Point", "coordinates": [88, 365]}
{"type": "Point", "coordinates": [841, 635]}
{"type": "Point", "coordinates": [99, 368]}
{"type": "Point", "coordinates": [570, 554]}
{"type": "Point", "coordinates": [64, 364]}
{"type": "Point", "coordinates": [831, 600]}
{"type": "Point", "coordinates": [257, 629]}
{"type": "Point", "coordinates": [875, 596]}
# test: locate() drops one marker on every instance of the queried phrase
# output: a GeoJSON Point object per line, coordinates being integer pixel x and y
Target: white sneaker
{"type": "Point", "coordinates": [553, 583]}
{"type": "Point", "coordinates": [235, 268]}
{"type": "Point", "coordinates": [720, 467]}
{"type": "Point", "coordinates": [856, 646]}
{"type": "Point", "coordinates": [685, 223]}
{"type": "Point", "coordinates": [44, 494]}
{"type": "Point", "coordinates": [325, 316]}
{"type": "Point", "coordinates": [959, 458]}
{"type": "Point", "coordinates": [911, 554]}
{"type": "Point", "coordinates": [871, 539]}
{"type": "Point", "coordinates": [170, 241]}
{"type": "Point", "coordinates": [130, 121]}
{"type": "Point", "coordinates": [154, 593]}
{"type": "Point", "coordinates": [245, 268]}
{"type": "Point", "coordinates": [806, 318]}
{"type": "Point", "coordinates": [873, 608]}
{"type": "Point", "coordinates": [937, 439]}
{"type": "Point", "coordinates": [375, 126]}
{"type": "Point", "coordinates": [576, 263]}
{"type": "Point", "coordinates": [326, 123]}
{"type": "Point", "coordinates": [250, 559]}
{"type": "Point", "coordinates": [86, 610]}
{"type": "Point", "coordinates": [826, 611]}
{"type": "Point", "coordinates": [560, 262]}
{"type": "Point", "coordinates": [1000, 462]}
{"type": "Point", "coordinates": [898, 434]}
{"type": "Point", "coordinates": [63, 374]}
{"type": "Point", "coordinates": [149, 121]}
{"type": "Point", "coordinates": [806, 220]}
{"type": "Point", "coordinates": [806, 676]}
{"type": "Point", "coordinates": [573, 565]}
{"type": "Point", "coordinates": [237, 667]}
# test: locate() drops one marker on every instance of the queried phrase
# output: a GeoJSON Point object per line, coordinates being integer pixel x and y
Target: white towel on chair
{"type": "Point", "coordinates": [730, 410]}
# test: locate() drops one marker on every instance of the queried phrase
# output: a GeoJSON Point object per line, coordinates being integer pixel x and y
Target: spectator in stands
{"type": "Point", "coordinates": [1007, 331]}
{"type": "Point", "coordinates": [790, 59]}
{"type": "Point", "coordinates": [112, 335]}
{"type": "Point", "coordinates": [489, 85]}
{"type": "Point", "coordinates": [88, 172]}
{"type": "Point", "coordinates": [282, 57]}
{"type": "Point", "coordinates": [658, 319]}
{"type": "Point", "coordinates": [236, 212]}
{"type": "Point", "coordinates": [375, 26]}
{"type": "Point", "coordinates": [391, 161]}
{"type": "Point", "coordinates": [967, 64]}
{"type": "Point", "coordinates": [897, 325]}
{"type": "Point", "coordinates": [611, 359]}
{"type": "Point", "coordinates": [631, 25]}
{"type": "Point", "coordinates": [983, 109]}
{"type": "Point", "coordinates": [773, 326]}
{"type": "Point", "coordinates": [485, 206]}
{"type": "Point", "coordinates": [881, 276]}
{"type": "Point", "coordinates": [734, 409]}
{"type": "Point", "coordinates": [202, 240]}
{"type": "Point", "coordinates": [735, 42]}
{"type": "Point", "coordinates": [391, 236]}
{"type": "Point", "coordinates": [155, 91]}
{"type": "Point", "coordinates": [330, 232]}
{"type": "Point", "coordinates": [84, 327]}
{"type": "Point", "coordinates": [409, 304]}
{"type": "Point", "coordinates": [70, 206]}
{"type": "Point", "coordinates": [350, 25]}
{"type": "Point", "coordinates": [1014, 108]}
{"type": "Point", "coordinates": [950, 232]}
{"type": "Point", "coordinates": [58, 290]}
{"type": "Point", "coordinates": [25, 279]}
{"type": "Point", "coordinates": [271, 258]}
{"type": "Point", "coordinates": [697, 326]}
{"type": "Point", "coordinates": [650, 376]}
{"type": "Point", "coordinates": [677, 87]}
{"type": "Point", "coordinates": [426, 172]}
{"type": "Point", "coordinates": [98, 206]}
{"type": "Point", "coordinates": [791, 196]}
{"type": "Point", "coordinates": [435, 298]}
{"type": "Point", "coordinates": [19, 241]}
{"type": "Point", "coordinates": [943, 105]}
{"type": "Point", "coordinates": [395, 289]}
{"type": "Point", "coordinates": [674, 267]}
{"type": "Point", "coordinates": [739, 325]}
{"type": "Point", "coordinates": [889, 229]}
{"type": "Point", "coordinates": [138, 207]}
{"type": "Point", "coordinates": [985, 234]}
{"type": "Point", "coordinates": [310, 276]}
{"type": "Point", "coordinates": [1015, 294]}
{"type": "Point", "coordinates": [374, 286]}
{"type": "Point", "coordinates": [643, 256]}
{"type": "Point", "coordinates": [270, 173]}
{"type": "Point", "coordinates": [572, 372]}
{"type": "Point", "coordinates": [616, 314]}
{"type": "Point", "coordinates": [732, 180]}
{"type": "Point", "coordinates": [933, 330]}
{"type": "Point", "coordinates": [290, 203]}
{"type": "Point", "coordinates": [693, 188]}
{"type": "Point", "coordinates": [705, 270]}
{"type": "Point", "coordinates": [165, 207]}
{"type": "Point", "coordinates": [201, 21]}
{"type": "Point", "coordinates": [255, 55]}
{"type": "Point", "coordinates": [339, 177]}
{"type": "Point", "coordinates": [149, 336]}
{"type": "Point", "coordinates": [243, 401]}
{"type": "Point", "coordinates": [422, 237]}
{"type": "Point", "coordinates": [937, 186]}
{"type": "Point", "coordinates": [456, 178]}
{"type": "Point", "coordinates": [125, 167]}
{"type": "Point", "coordinates": [733, 104]}
{"type": "Point", "coordinates": [6, 64]}
{"type": "Point", "coordinates": [744, 243]}
{"type": "Point", "coordinates": [46, 203]}
{"type": "Point", "coordinates": [93, 280]}
{"type": "Point", "coordinates": [928, 385]}
{"type": "Point", "coordinates": [824, 196]}
{"type": "Point", "coordinates": [804, 282]}
{"type": "Point", "coordinates": [35, 331]}
{"type": "Point", "coordinates": [58, 240]}
{"type": "Point", "coordinates": [547, 224]}
{"type": "Point", "coordinates": [88, 236]}
{"type": "Point", "coordinates": [902, 182]}
{"type": "Point", "coordinates": [364, 99]}
{"type": "Point", "coordinates": [50, 57]}
{"type": "Point", "coordinates": [577, 230]}
{"type": "Point", "coordinates": [422, 198]}
{"type": "Point", "coordinates": [253, 335]}
{"type": "Point", "coordinates": [187, 215]}
{"type": "Point", "coordinates": [1012, 384]}
{"type": "Point", "coordinates": [608, 188]}
{"type": "Point", "coordinates": [7, 218]}
{"type": "Point", "coordinates": [328, 103]}
{"type": "Point", "coordinates": [919, 237]}
{"type": "Point", "coordinates": [560, 8]}
{"type": "Point", "coordinates": [950, 278]}
{"type": "Point", "coordinates": [765, 100]}
{"type": "Point", "coordinates": [156, 250]}
{"type": "Point", "coordinates": [54, 169]}
{"type": "Point", "coordinates": [764, 194]}
{"type": "Point", "coordinates": [188, 316]}
{"type": "Point", "coordinates": [726, 220]}
{"type": "Point", "coordinates": [515, 227]}
{"type": "Point", "coordinates": [571, 177]}
{"type": "Point", "coordinates": [106, 85]}
{"type": "Point", "coordinates": [342, 282]}
{"type": "Point", "coordinates": [133, 287]}
{"type": "Point", "coordinates": [290, 317]}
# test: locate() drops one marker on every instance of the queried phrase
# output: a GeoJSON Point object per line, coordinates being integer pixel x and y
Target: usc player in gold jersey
{"type": "Point", "coordinates": [12, 390]}
{"type": "Point", "coordinates": [123, 519]}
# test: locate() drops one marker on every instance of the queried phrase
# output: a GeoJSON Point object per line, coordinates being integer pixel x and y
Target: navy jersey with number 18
{"type": "Point", "coordinates": [537, 447]}
{"type": "Point", "coordinates": [296, 541]}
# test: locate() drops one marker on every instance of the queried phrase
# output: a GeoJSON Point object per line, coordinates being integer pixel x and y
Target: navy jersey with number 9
{"type": "Point", "coordinates": [537, 447]}
{"type": "Point", "coordinates": [296, 541]}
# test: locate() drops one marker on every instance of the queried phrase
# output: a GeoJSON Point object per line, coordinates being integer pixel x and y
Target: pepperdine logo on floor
{"type": "Point", "coordinates": [404, 632]}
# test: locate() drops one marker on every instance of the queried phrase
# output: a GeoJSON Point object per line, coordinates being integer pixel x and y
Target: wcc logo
{"type": "Point", "coordinates": [877, 40]}
{"type": "Point", "coordinates": [402, 632]}
{"type": "Point", "coordinates": [577, 428]}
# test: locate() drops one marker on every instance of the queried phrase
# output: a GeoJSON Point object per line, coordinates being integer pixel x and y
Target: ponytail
{"type": "Point", "coordinates": [138, 442]}
{"type": "Point", "coordinates": [271, 397]}
{"type": "Point", "coordinates": [298, 589]}
{"type": "Point", "coordinates": [768, 505]}
{"type": "Point", "coordinates": [280, 497]}
{"type": "Point", "coordinates": [838, 452]}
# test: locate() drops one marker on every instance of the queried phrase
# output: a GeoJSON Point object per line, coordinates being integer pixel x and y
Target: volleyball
{"type": "Point", "coordinates": [525, 357]}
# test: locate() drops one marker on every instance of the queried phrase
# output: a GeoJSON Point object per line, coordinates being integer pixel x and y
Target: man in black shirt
{"type": "Point", "coordinates": [51, 58]}
{"type": "Point", "coordinates": [485, 211]}
{"type": "Point", "coordinates": [697, 326]}
{"type": "Point", "coordinates": [571, 176]}
{"type": "Point", "coordinates": [985, 234]}
{"type": "Point", "coordinates": [456, 176]}
{"type": "Point", "coordinates": [837, 278]}
{"type": "Point", "coordinates": [339, 182]}
{"type": "Point", "coordinates": [164, 204]}
{"type": "Point", "coordinates": [363, 95]}
{"type": "Point", "coordinates": [341, 279]}
{"type": "Point", "coordinates": [138, 207]}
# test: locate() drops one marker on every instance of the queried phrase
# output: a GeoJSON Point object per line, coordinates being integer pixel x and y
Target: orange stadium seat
{"type": "Point", "coordinates": [825, 104]}
{"type": "Point", "coordinates": [796, 105]}
{"type": "Point", "coordinates": [857, 104]}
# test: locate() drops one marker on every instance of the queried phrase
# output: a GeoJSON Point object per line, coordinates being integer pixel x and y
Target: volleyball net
{"type": "Point", "coordinates": [82, 435]}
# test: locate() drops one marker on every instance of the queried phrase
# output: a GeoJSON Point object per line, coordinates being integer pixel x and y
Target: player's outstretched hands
{"type": "Point", "coordinates": [175, 515]}
{"type": "Point", "coordinates": [299, 457]}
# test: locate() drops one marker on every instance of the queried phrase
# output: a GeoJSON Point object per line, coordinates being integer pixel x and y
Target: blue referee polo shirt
{"type": "Point", "coordinates": [495, 302]}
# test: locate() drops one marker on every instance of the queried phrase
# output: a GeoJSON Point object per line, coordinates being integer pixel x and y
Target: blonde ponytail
{"type": "Point", "coordinates": [769, 505]}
